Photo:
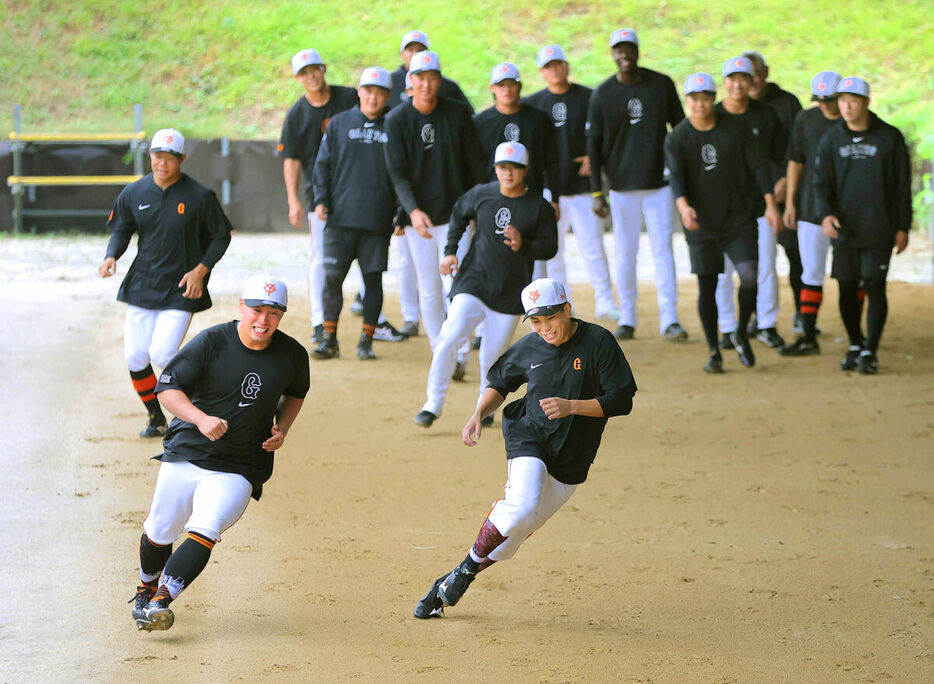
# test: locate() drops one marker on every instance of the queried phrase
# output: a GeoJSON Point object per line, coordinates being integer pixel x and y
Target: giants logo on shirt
{"type": "Point", "coordinates": [503, 219]}
{"type": "Point", "coordinates": [709, 156]}
{"type": "Point", "coordinates": [428, 135]}
{"type": "Point", "coordinates": [250, 387]}
{"type": "Point", "coordinates": [511, 133]}
{"type": "Point", "coordinates": [577, 363]}
{"type": "Point", "coordinates": [635, 110]}
{"type": "Point", "coordinates": [559, 114]}
{"type": "Point", "coordinates": [368, 136]}
{"type": "Point", "coordinates": [858, 150]}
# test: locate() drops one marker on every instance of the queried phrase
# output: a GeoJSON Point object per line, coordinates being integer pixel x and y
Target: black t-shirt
{"type": "Point", "coordinates": [432, 159]}
{"type": "Point", "coordinates": [491, 271]}
{"type": "Point", "coordinates": [177, 229]}
{"type": "Point", "coordinates": [529, 126]}
{"type": "Point", "coordinates": [810, 126]}
{"type": "Point", "coordinates": [627, 125]}
{"type": "Point", "coordinates": [590, 365]}
{"type": "Point", "coordinates": [448, 89]}
{"type": "Point", "coordinates": [568, 114]}
{"type": "Point", "coordinates": [762, 120]}
{"type": "Point", "coordinates": [864, 179]}
{"type": "Point", "coordinates": [350, 176]}
{"type": "Point", "coordinates": [717, 172]}
{"type": "Point", "coordinates": [785, 105]}
{"type": "Point", "coordinates": [243, 386]}
{"type": "Point", "coordinates": [304, 127]}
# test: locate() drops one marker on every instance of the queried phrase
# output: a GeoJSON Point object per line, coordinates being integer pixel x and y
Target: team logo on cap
{"type": "Point", "coordinates": [848, 82]}
{"type": "Point", "coordinates": [699, 80]}
{"type": "Point", "coordinates": [738, 62]}
{"type": "Point", "coordinates": [534, 295]}
{"type": "Point", "coordinates": [511, 133]}
{"type": "Point", "coordinates": [269, 288]}
{"type": "Point", "coordinates": [374, 75]}
{"type": "Point", "coordinates": [169, 138]}
{"type": "Point", "coordinates": [504, 69]}
{"type": "Point", "coordinates": [822, 86]}
{"type": "Point", "coordinates": [559, 112]}
{"type": "Point", "coordinates": [426, 59]}
{"type": "Point", "coordinates": [503, 218]}
{"type": "Point", "coordinates": [550, 51]}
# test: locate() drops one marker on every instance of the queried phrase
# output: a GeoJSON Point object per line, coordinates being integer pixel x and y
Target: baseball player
{"type": "Point", "coordinates": [235, 390]}
{"type": "Point", "coordinates": [566, 105]}
{"type": "Point", "coordinates": [577, 378]}
{"type": "Point", "coordinates": [412, 43]}
{"type": "Point", "coordinates": [182, 233]}
{"type": "Point", "coordinates": [863, 181]}
{"type": "Point", "coordinates": [515, 226]}
{"type": "Point", "coordinates": [432, 158]}
{"type": "Point", "coordinates": [628, 120]}
{"type": "Point", "coordinates": [767, 129]}
{"type": "Point", "coordinates": [716, 164]}
{"type": "Point", "coordinates": [801, 209]}
{"type": "Point", "coordinates": [350, 166]}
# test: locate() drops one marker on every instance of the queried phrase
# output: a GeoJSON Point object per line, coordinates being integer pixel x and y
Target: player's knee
{"type": "Point", "coordinates": [160, 356]}
{"type": "Point", "coordinates": [161, 532]}
{"type": "Point", "coordinates": [136, 359]}
{"type": "Point", "coordinates": [208, 530]}
{"type": "Point", "coordinates": [748, 272]}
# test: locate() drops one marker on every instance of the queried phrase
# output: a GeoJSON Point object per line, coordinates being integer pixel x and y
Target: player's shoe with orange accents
{"type": "Point", "coordinates": [155, 427]}
{"type": "Point", "coordinates": [455, 584]}
{"type": "Point", "coordinates": [143, 596]}
{"type": "Point", "coordinates": [157, 616]}
{"type": "Point", "coordinates": [430, 604]}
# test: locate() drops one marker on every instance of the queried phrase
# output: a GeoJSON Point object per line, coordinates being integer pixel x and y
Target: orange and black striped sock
{"type": "Point", "coordinates": [368, 329]}
{"type": "Point", "coordinates": [330, 327]}
{"type": "Point", "coordinates": [189, 559]}
{"type": "Point", "coordinates": [144, 382]}
{"type": "Point", "coordinates": [811, 298]}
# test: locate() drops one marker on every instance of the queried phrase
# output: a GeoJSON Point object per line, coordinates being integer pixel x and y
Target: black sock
{"type": "Point", "coordinates": [876, 312]}
{"type": "Point", "coordinates": [185, 564]}
{"type": "Point", "coordinates": [811, 298]}
{"type": "Point", "coordinates": [746, 297]}
{"type": "Point", "coordinates": [372, 297]}
{"type": "Point", "coordinates": [152, 558]}
{"type": "Point", "coordinates": [707, 308]}
{"type": "Point", "coordinates": [851, 309]}
{"type": "Point", "coordinates": [332, 298]}
{"type": "Point", "coordinates": [795, 270]}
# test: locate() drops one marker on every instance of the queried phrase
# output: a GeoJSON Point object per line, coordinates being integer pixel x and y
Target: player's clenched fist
{"type": "Point", "coordinates": [212, 427]}
{"type": "Point", "coordinates": [555, 407]}
{"type": "Point", "coordinates": [448, 265]}
{"type": "Point", "coordinates": [108, 267]}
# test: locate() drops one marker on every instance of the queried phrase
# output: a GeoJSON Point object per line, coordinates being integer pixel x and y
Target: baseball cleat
{"type": "Point", "coordinates": [425, 418]}
{"type": "Point", "coordinates": [328, 348]}
{"type": "Point", "coordinates": [155, 427]}
{"type": "Point", "coordinates": [714, 363]}
{"type": "Point", "coordinates": [430, 604]}
{"type": "Point", "coordinates": [625, 332]}
{"type": "Point", "coordinates": [868, 363]}
{"type": "Point", "coordinates": [386, 332]}
{"type": "Point", "coordinates": [770, 338]}
{"type": "Point", "coordinates": [851, 360]}
{"type": "Point", "coordinates": [726, 341]}
{"type": "Point", "coordinates": [356, 306]}
{"type": "Point", "coordinates": [409, 329]}
{"type": "Point", "coordinates": [365, 348]}
{"type": "Point", "coordinates": [317, 336]}
{"type": "Point", "coordinates": [143, 596]}
{"type": "Point", "coordinates": [675, 333]}
{"type": "Point", "coordinates": [455, 584]}
{"type": "Point", "coordinates": [744, 350]}
{"type": "Point", "coordinates": [459, 372]}
{"type": "Point", "coordinates": [800, 347]}
{"type": "Point", "coordinates": [156, 616]}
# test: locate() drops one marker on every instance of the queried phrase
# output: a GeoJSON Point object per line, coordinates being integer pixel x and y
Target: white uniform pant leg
{"type": "Point", "coordinates": [167, 335]}
{"type": "Point", "coordinates": [658, 210]}
{"type": "Point", "coordinates": [726, 298]}
{"type": "Point", "coordinates": [497, 334]}
{"type": "Point", "coordinates": [465, 313]}
{"type": "Point", "coordinates": [555, 267]}
{"type": "Point", "coordinates": [198, 500]}
{"type": "Point", "coordinates": [406, 281]}
{"type": "Point", "coordinates": [152, 336]}
{"type": "Point", "coordinates": [531, 497]}
{"type": "Point", "coordinates": [813, 245]}
{"type": "Point", "coordinates": [626, 209]}
{"type": "Point", "coordinates": [316, 269]}
{"type": "Point", "coordinates": [430, 294]}
{"type": "Point", "coordinates": [577, 210]}
{"type": "Point", "coordinates": [767, 296]}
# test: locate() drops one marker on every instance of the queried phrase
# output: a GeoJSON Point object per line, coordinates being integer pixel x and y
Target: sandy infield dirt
{"type": "Point", "coordinates": [772, 524]}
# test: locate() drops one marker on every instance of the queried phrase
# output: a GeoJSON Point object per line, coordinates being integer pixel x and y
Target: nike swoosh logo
{"type": "Point", "coordinates": [859, 139]}
{"type": "Point", "coordinates": [712, 166]}
{"type": "Point", "coordinates": [536, 365]}
{"type": "Point", "coordinates": [559, 124]}
{"type": "Point", "coordinates": [634, 121]}
{"type": "Point", "coordinates": [144, 206]}
{"type": "Point", "coordinates": [241, 404]}
{"type": "Point", "coordinates": [368, 125]}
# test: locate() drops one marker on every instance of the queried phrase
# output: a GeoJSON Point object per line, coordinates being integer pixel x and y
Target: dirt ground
{"type": "Point", "coordinates": [771, 524]}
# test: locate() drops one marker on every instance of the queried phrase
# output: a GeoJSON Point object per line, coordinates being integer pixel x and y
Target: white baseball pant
{"type": "Point", "coordinates": [766, 281]}
{"type": "Point", "coordinates": [656, 208]}
{"type": "Point", "coordinates": [316, 268]}
{"type": "Point", "coordinates": [196, 500]}
{"type": "Point", "coordinates": [152, 336]}
{"type": "Point", "coordinates": [465, 313]}
{"type": "Point", "coordinates": [531, 497]}
{"type": "Point", "coordinates": [813, 245]}
{"type": "Point", "coordinates": [577, 213]}
{"type": "Point", "coordinates": [554, 267]}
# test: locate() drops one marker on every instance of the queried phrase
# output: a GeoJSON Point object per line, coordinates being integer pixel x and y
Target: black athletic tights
{"type": "Point", "coordinates": [876, 311]}
{"type": "Point", "coordinates": [707, 301]}
{"type": "Point", "coordinates": [372, 296]}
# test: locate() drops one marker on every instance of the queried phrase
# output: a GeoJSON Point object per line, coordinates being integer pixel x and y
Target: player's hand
{"type": "Point", "coordinates": [212, 427]}
{"type": "Point", "coordinates": [108, 267]}
{"type": "Point", "coordinates": [399, 230]}
{"type": "Point", "coordinates": [831, 226]}
{"type": "Point", "coordinates": [321, 212]}
{"type": "Point", "coordinates": [471, 431]}
{"type": "Point", "coordinates": [600, 207]}
{"type": "Point", "coordinates": [555, 407]}
{"type": "Point", "coordinates": [689, 219]}
{"type": "Point", "coordinates": [193, 282]}
{"type": "Point", "coordinates": [791, 217]}
{"type": "Point", "coordinates": [513, 238]}
{"type": "Point", "coordinates": [448, 264]}
{"type": "Point", "coordinates": [585, 165]}
{"type": "Point", "coordinates": [276, 440]}
{"type": "Point", "coordinates": [295, 215]}
{"type": "Point", "coordinates": [421, 223]}
{"type": "Point", "coordinates": [781, 187]}
{"type": "Point", "coordinates": [557, 208]}
{"type": "Point", "coordinates": [901, 241]}
{"type": "Point", "coordinates": [774, 218]}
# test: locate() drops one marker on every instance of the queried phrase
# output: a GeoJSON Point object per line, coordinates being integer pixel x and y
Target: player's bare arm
{"type": "Point", "coordinates": [448, 264]}
{"type": "Point", "coordinates": [288, 412]}
{"type": "Point", "coordinates": [772, 215]}
{"type": "Point", "coordinates": [179, 405]}
{"type": "Point", "coordinates": [292, 171]}
{"type": "Point", "coordinates": [688, 214]}
{"type": "Point", "coordinates": [489, 402]}
{"type": "Point", "coordinates": [513, 238]}
{"type": "Point", "coordinates": [108, 267]}
{"type": "Point", "coordinates": [193, 281]}
{"type": "Point", "coordinates": [793, 175]}
{"type": "Point", "coordinates": [556, 407]}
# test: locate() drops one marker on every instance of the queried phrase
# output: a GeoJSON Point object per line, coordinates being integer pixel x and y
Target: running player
{"type": "Point", "coordinates": [566, 105]}
{"type": "Point", "coordinates": [715, 164]}
{"type": "Point", "coordinates": [182, 234]}
{"type": "Point", "coordinates": [515, 226]}
{"type": "Point", "coordinates": [577, 378]}
{"type": "Point", "coordinates": [863, 180]}
{"type": "Point", "coordinates": [628, 120]}
{"type": "Point", "coordinates": [801, 210]}
{"type": "Point", "coordinates": [235, 390]}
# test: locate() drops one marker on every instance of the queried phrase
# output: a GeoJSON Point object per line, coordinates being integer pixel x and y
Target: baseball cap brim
{"type": "Point", "coordinates": [263, 302]}
{"type": "Point", "coordinates": [544, 310]}
{"type": "Point", "coordinates": [166, 149]}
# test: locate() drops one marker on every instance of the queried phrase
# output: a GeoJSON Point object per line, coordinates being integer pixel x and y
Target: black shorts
{"type": "Point", "coordinates": [855, 263]}
{"type": "Point", "coordinates": [343, 245]}
{"type": "Point", "coordinates": [707, 255]}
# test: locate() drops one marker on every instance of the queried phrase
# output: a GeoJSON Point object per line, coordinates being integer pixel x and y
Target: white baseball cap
{"type": "Point", "coordinates": [413, 37]}
{"type": "Point", "coordinates": [424, 61]}
{"type": "Point", "coordinates": [699, 83]}
{"type": "Point", "coordinates": [303, 58]}
{"type": "Point", "coordinates": [543, 297]}
{"type": "Point", "coordinates": [502, 71]}
{"type": "Point", "coordinates": [376, 76]}
{"type": "Point", "coordinates": [263, 289]}
{"type": "Point", "coordinates": [738, 65]}
{"type": "Point", "coordinates": [511, 153]}
{"type": "Point", "coordinates": [624, 35]}
{"type": "Point", "coordinates": [168, 140]}
{"type": "Point", "coordinates": [550, 53]}
{"type": "Point", "coordinates": [824, 84]}
{"type": "Point", "coordinates": [853, 85]}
